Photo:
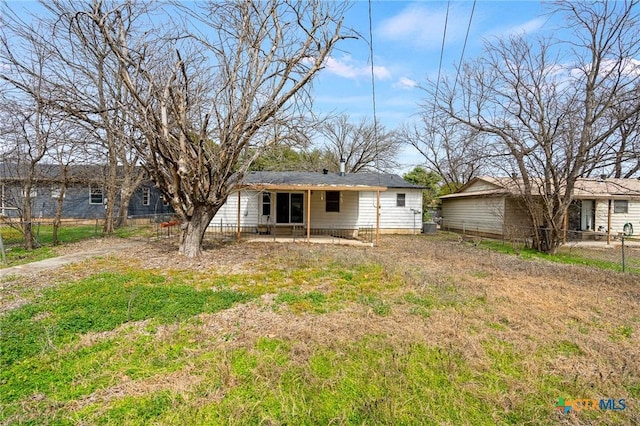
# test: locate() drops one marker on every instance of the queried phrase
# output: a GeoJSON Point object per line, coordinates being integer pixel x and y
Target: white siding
{"type": "Point", "coordinates": [392, 217]}
{"type": "Point", "coordinates": [618, 220]}
{"type": "Point", "coordinates": [249, 210]}
{"type": "Point", "coordinates": [357, 209]}
{"type": "Point", "coordinates": [347, 217]}
{"type": "Point", "coordinates": [475, 214]}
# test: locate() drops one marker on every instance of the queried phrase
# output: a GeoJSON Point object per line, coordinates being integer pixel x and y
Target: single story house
{"type": "Point", "coordinates": [323, 204]}
{"type": "Point", "coordinates": [84, 196]}
{"type": "Point", "coordinates": [493, 207]}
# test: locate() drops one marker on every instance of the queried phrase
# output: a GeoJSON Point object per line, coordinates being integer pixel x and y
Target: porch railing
{"type": "Point", "coordinates": [296, 232]}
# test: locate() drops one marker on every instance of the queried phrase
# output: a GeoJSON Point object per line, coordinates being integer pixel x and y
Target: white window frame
{"type": "Point", "coordinates": [56, 191]}
{"type": "Point", "coordinates": [401, 199]}
{"type": "Point", "coordinates": [146, 196]}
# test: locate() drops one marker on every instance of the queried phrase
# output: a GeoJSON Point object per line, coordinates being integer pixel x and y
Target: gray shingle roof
{"type": "Point", "coordinates": [319, 179]}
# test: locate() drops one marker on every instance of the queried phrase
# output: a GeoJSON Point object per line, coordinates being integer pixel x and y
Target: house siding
{"type": "Point", "coordinates": [357, 210]}
{"type": "Point", "coordinates": [479, 215]}
{"type": "Point", "coordinates": [346, 218]}
{"type": "Point", "coordinates": [250, 209]}
{"type": "Point", "coordinates": [392, 217]}
{"type": "Point", "coordinates": [76, 203]}
{"type": "Point", "coordinates": [480, 185]}
{"type": "Point", "coordinates": [618, 220]}
{"type": "Point", "coordinates": [517, 222]}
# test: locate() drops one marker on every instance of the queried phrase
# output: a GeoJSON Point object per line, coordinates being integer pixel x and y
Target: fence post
{"type": "Point", "coordinates": [623, 260]}
{"type": "Point", "coordinates": [4, 255]}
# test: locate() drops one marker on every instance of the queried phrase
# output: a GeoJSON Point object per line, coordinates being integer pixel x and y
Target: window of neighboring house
{"type": "Point", "coordinates": [56, 191]}
{"type": "Point", "coordinates": [266, 203]}
{"type": "Point", "coordinates": [620, 206]}
{"type": "Point", "coordinates": [33, 193]}
{"type": "Point", "coordinates": [401, 200]}
{"type": "Point", "coordinates": [96, 195]}
{"type": "Point", "coordinates": [332, 199]}
{"type": "Point", "coordinates": [146, 195]}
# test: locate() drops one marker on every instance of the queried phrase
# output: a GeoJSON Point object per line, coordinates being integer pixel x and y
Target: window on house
{"type": "Point", "coordinates": [621, 206]}
{"type": "Point", "coordinates": [55, 192]}
{"type": "Point", "coordinates": [96, 195]}
{"type": "Point", "coordinates": [401, 200]}
{"type": "Point", "coordinates": [33, 193]}
{"type": "Point", "coordinates": [146, 195]}
{"type": "Point", "coordinates": [332, 199]}
{"type": "Point", "coordinates": [266, 203]}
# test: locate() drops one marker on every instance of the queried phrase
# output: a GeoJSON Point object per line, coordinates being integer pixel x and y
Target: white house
{"type": "Point", "coordinates": [323, 203]}
{"type": "Point", "coordinates": [492, 206]}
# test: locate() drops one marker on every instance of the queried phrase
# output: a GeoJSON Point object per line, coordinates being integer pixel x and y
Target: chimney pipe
{"type": "Point", "coordinates": [342, 166]}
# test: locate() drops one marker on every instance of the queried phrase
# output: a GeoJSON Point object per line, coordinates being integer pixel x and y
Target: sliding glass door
{"type": "Point", "coordinates": [289, 207]}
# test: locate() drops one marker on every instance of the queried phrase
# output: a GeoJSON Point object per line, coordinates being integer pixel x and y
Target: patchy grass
{"type": "Point", "coordinates": [413, 332]}
{"type": "Point", "coordinates": [568, 256]}
{"type": "Point", "coordinates": [16, 255]}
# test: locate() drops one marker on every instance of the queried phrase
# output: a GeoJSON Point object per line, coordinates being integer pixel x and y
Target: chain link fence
{"type": "Point", "coordinates": [615, 251]}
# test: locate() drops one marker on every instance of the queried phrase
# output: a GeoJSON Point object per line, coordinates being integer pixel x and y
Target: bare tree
{"type": "Point", "coordinates": [547, 120]}
{"type": "Point", "coordinates": [363, 145]}
{"type": "Point", "coordinates": [205, 103]}
{"type": "Point", "coordinates": [30, 123]}
{"type": "Point", "coordinates": [455, 152]}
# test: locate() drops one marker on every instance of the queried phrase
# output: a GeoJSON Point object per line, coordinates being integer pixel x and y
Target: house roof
{"type": "Point", "coordinates": [310, 180]}
{"type": "Point", "coordinates": [585, 188]}
{"type": "Point", "coordinates": [16, 172]}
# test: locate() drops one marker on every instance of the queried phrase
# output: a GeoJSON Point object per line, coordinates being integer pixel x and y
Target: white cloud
{"type": "Point", "coordinates": [405, 83]}
{"type": "Point", "coordinates": [420, 26]}
{"type": "Point", "coordinates": [529, 27]}
{"type": "Point", "coordinates": [348, 68]}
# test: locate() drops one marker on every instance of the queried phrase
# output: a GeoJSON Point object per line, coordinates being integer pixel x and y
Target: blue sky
{"type": "Point", "coordinates": [407, 40]}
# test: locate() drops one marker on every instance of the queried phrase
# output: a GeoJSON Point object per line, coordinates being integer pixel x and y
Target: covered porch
{"type": "Point", "coordinates": [296, 212]}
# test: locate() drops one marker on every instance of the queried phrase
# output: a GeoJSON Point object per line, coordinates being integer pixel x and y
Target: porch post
{"type": "Point", "coordinates": [308, 215]}
{"type": "Point", "coordinates": [238, 235]}
{"type": "Point", "coordinates": [609, 223]}
{"type": "Point", "coordinates": [377, 217]}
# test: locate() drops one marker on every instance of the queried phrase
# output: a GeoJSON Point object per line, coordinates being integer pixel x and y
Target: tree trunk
{"type": "Point", "coordinates": [125, 199]}
{"type": "Point", "coordinates": [27, 221]}
{"type": "Point", "coordinates": [58, 218]}
{"type": "Point", "coordinates": [193, 229]}
{"type": "Point", "coordinates": [110, 206]}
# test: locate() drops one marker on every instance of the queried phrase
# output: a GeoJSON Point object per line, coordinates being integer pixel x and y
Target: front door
{"type": "Point", "coordinates": [289, 207]}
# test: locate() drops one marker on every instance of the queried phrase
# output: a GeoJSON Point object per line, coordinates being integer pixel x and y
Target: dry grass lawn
{"type": "Point", "coordinates": [420, 330]}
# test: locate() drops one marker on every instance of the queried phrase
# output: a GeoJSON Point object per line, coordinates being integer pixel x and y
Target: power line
{"type": "Point", "coordinates": [466, 37]}
{"type": "Point", "coordinates": [373, 86]}
{"type": "Point", "coordinates": [444, 37]}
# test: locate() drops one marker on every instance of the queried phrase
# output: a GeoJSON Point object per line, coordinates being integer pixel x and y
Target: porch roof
{"type": "Point", "coordinates": [328, 182]}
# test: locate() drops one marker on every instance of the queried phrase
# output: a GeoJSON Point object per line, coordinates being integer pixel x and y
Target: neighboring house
{"type": "Point", "coordinates": [493, 207]}
{"type": "Point", "coordinates": [323, 203]}
{"type": "Point", "coordinates": [84, 196]}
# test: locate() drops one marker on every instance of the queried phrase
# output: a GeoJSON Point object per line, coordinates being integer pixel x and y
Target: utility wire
{"type": "Point", "coordinates": [373, 87]}
{"type": "Point", "coordinates": [444, 37]}
{"type": "Point", "coordinates": [466, 37]}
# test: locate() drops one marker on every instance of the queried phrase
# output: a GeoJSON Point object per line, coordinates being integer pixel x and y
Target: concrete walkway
{"type": "Point", "coordinates": [56, 262]}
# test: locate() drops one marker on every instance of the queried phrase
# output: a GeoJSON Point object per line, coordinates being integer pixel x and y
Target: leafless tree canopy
{"type": "Point", "coordinates": [208, 102]}
{"type": "Point", "coordinates": [553, 110]}
{"type": "Point", "coordinates": [194, 92]}
{"type": "Point", "coordinates": [364, 145]}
